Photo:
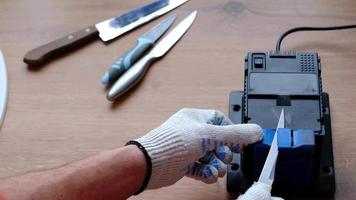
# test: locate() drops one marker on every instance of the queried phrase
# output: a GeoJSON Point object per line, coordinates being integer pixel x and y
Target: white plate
{"type": "Point", "coordinates": [3, 88]}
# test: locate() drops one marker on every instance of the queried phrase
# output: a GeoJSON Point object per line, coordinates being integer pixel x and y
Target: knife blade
{"type": "Point", "coordinates": [3, 88]}
{"type": "Point", "coordinates": [137, 71]}
{"type": "Point", "coordinates": [107, 30]}
{"type": "Point", "coordinates": [145, 42]}
{"type": "Point", "coordinates": [268, 171]}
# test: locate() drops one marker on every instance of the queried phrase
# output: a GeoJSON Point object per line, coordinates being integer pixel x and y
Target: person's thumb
{"type": "Point", "coordinates": [237, 134]}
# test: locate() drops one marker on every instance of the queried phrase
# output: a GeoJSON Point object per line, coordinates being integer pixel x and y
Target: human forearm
{"type": "Point", "coordinates": [193, 143]}
{"type": "Point", "coordinates": [115, 174]}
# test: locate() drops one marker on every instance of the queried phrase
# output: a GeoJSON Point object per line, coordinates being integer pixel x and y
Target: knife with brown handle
{"type": "Point", "coordinates": [107, 30]}
{"type": "Point", "coordinates": [45, 52]}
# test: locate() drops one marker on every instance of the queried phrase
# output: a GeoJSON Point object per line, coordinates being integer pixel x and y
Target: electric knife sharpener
{"type": "Point", "coordinates": [289, 80]}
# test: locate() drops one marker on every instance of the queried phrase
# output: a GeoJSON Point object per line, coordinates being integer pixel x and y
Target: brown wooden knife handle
{"type": "Point", "coordinates": [42, 54]}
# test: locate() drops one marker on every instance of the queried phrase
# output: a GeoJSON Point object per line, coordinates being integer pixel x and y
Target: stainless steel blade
{"type": "Point", "coordinates": [267, 174]}
{"type": "Point", "coordinates": [111, 28]}
{"type": "Point", "coordinates": [138, 70]}
{"type": "Point", "coordinates": [167, 42]}
{"type": "Point", "coordinates": [3, 88]}
{"type": "Point", "coordinates": [156, 32]}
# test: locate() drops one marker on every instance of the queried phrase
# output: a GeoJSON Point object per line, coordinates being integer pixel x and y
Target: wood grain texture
{"type": "Point", "coordinates": [58, 113]}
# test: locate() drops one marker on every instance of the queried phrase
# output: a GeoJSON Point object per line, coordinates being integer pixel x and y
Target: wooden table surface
{"type": "Point", "coordinates": [58, 113]}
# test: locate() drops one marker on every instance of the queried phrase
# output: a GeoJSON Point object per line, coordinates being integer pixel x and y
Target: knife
{"type": "Point", "coordinates": [137, 71]}
{"type": "Point", "coordinates": [107, 30]}
{"type": "Point", "coordinates": [3, 88]}
{"type": "Point", "coordinates": [268, 170]}
{"type": "Point", "coordinates": [145, 42]}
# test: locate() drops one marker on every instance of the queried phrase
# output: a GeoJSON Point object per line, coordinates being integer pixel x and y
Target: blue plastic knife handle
{"type": "Point", "coordinates": [124, 63]}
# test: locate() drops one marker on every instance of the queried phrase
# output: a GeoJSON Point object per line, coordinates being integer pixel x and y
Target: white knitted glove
{"type": "Point", "coordinates": [258, 191]}
{"type": "Point", "coordinates": [195, 143]}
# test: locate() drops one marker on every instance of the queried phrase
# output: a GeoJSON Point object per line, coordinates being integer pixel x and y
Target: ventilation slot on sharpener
{"type": "Point", "coordinates": [307, 63]}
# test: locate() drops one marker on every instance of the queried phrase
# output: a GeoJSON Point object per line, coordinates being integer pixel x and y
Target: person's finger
{"type": "Point", "coordinates": [204, 116]}
{"type": "Point", "coordinates": [211, 159]}
{"type": "Point", "coordinates": [219, 165]}
{"type": "Point", "coordinates": [203, 172]}
{"type": "Point", "coordinates": [236, 134]}
{"type": "Point", "coordinates": [236, 148]}
{"type": "Point", "coordinates": [218, 118]}
{"type": "Point", "coordinates": [224, 154]}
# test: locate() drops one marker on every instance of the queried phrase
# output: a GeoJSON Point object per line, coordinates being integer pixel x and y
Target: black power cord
{"type": "Point", "coordinates": [306, 28]}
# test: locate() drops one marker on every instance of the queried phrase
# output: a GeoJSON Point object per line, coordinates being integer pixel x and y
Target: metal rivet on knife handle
{"type": "Point", "coordinates": [42, 54]}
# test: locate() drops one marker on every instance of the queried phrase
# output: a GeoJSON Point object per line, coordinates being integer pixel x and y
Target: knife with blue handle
{"type": "Point", "coordinates": [106, 30]}
{"type": "Point", "coordinates": [144, 43]}
{"type": "Point", "coordinates": [138, 70]}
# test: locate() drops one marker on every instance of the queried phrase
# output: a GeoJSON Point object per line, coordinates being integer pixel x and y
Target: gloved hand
{"type": "Point", "coordinates": [258, 191]}
{"type": "Point", "coordinates": [196, 143]}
